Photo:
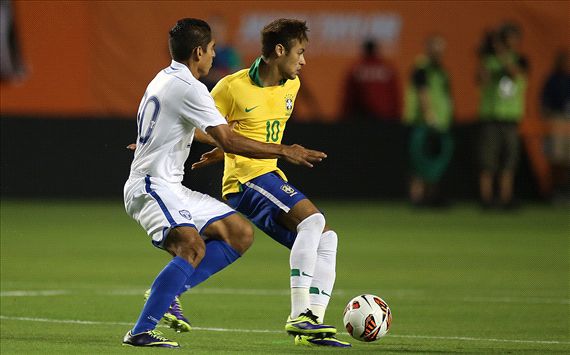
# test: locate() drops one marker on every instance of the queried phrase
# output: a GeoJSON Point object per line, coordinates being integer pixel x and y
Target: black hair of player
{"type": "Point", "coordinates": [187, 35]}
{"type": "Point", "coordinates": [282, 31]}
{"type": "Point", "coordinates": [509, 29]}
{"type": "Point", "coordinates": [369, 48]}
{"type": "Point", "coordinates": [487, 46]}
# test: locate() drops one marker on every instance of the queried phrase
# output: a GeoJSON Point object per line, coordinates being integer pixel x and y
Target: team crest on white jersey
{"type": "Point", "coordinates": [186, 214]}
{"type": "Point", "coordinates": [288, 190]}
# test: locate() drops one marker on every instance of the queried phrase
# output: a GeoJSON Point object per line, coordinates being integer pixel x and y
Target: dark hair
{"type": "Point", "coordinates": [369, 47]}
{"type": "Point", "coordinates": [282, 31]}
{"type": "Point", "coordinates": [487, 45]}
{"type": "Point", "coordinates": [187, 34]}
{"type": "Point", "coordinates": [507, 29]}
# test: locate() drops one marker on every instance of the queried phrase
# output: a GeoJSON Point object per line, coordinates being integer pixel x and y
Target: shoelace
{"type": "Point", "coordinates": [176, 305]}
{"type": "Point", "coordinates": [157, 335]}
{"type": "Point", "coordinates": [310, 315]}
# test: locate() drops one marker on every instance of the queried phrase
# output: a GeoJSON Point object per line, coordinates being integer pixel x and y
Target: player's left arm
{"type": "Point", "coordinates": [203, 137]}
{"type": "Point", "coordinates": [199, 135]}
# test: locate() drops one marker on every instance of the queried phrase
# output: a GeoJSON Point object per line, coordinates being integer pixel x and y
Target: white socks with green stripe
{"type": "Point", "coordinates": [324, 274]}
{"type": "Point", "coordinates": [303, 260]}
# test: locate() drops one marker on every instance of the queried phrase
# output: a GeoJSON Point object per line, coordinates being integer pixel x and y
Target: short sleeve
{"type": "Point", "coordinates": [222, 98]}
{"type": "Point", "coordinates": [199, 108]}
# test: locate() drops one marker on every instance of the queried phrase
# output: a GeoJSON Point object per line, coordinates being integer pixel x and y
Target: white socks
{"type": "Point", "coordinates": [302, 261]}
{"type": "Point", "coordinates": [313, 265]}
{"type": "Point", "coordinates": [324, 275]}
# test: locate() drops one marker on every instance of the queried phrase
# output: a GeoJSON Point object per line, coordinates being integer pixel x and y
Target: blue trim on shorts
{"type": "Point", "coordinates": [159, 201]}
{"type": "Point", "coordinates": [212, 220]}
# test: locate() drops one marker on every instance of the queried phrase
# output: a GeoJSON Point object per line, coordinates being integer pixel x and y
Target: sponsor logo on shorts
{"type": "Point", "coordinates": [288, 190]}
{"type": "Point", "coordinates": [186, 214]}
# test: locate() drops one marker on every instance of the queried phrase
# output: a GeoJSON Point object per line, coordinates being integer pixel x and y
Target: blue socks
{"type": "Point", "coordinates": [163, 290]}
{"type": "Point", "coordinates": [218, 255]}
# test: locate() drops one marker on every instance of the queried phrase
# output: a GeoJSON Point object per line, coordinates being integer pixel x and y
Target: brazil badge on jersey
{"type": "Point", "coordinates": [259, 113]}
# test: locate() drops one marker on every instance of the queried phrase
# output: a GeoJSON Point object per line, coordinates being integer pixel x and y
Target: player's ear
{"type": "Point", "coordinates": [279, 50]}
{"type": "Point", "coordinates": [198, 52]}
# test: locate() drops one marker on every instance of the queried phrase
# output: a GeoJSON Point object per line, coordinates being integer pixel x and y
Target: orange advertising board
{"type": "Point", "coordinates": [95, 58]}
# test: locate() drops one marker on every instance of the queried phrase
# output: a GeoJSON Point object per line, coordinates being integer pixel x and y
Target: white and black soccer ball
{"type": "Point", "coordinates": [367, 317]}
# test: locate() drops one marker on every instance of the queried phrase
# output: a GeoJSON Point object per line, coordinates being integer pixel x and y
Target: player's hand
{"type": "Point", "coordinates": [132, 147]}
{"type": "Point", "coordinates": [214, 156]}
{"type": "Point", "coordinates": [299, 155]}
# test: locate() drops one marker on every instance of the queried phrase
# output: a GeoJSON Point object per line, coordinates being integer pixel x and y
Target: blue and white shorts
{"type": "Point", "coordinates": [262, 199]}
{"type": "Point", "coordinates": [158, 206]}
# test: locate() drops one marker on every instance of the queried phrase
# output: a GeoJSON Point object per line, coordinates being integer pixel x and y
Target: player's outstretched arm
{"type": "Point", "coordinates": [234, 143]}
{"type": "Point", "coordinates": [214, 156]}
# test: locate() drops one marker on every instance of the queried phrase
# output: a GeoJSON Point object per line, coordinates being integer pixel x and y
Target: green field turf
{"type": "Point", "coordinates": [73, 275]}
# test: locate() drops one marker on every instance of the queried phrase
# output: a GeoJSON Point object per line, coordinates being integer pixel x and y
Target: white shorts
{"type": "Point", "coordinates": [159, 206]}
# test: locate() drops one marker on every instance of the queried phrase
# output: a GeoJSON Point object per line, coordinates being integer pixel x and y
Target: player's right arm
{"type": "Point", "coordinates": [234, 143]}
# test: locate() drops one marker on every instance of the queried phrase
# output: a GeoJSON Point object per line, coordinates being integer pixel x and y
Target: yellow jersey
{"type": "Point", "coordinates": [260, 113]}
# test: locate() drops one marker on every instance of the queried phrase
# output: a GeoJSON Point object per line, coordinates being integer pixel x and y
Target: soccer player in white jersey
{"type": "Point", "coordinates": [202, 234]}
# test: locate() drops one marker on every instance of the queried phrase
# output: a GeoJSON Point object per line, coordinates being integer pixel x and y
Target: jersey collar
{"type": "Point", "coordinates": [174, 65]}
{"type": "Point", "coordinates": [254, 73]}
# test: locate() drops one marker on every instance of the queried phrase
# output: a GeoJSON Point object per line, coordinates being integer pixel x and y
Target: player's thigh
{"type": "Point", "coordinates": [233, 229]}
{"type": "Point", "coordinates": [157, 207]}
{"type": "Point", "coordinates": [298, 213]}
{"type": "Point", "coordinates": [262, 200]}
{"type": "Point", "coordinates": [185, 242]}
{"type": "Point", "coordinates": [206, 211]}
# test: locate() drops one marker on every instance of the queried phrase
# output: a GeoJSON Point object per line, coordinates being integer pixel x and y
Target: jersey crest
{"type": "Point", "coordinates": [288, 104]}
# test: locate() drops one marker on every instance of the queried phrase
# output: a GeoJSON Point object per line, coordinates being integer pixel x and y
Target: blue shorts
{"type": "Point", "coordinates": [262, 199]}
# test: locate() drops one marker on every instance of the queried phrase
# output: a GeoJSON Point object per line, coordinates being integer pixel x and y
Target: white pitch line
{"type": "Point", "coordinates": [405, 294]}
{"type": "Point", "coordinates": [529, 300]}
{"type": "Point", "coordinates": [33, 293]}
{"type": "Point", "coordinates": [73, 321]}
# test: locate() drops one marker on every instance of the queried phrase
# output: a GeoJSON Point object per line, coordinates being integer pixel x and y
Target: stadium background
{"type": "Point", "coordinates": [74, 266]}
{"type": "Point", "coordinates": [88, 62]}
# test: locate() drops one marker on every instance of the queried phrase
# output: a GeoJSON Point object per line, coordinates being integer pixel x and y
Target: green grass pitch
{"type": "Point", "coordinates": [73, 275]}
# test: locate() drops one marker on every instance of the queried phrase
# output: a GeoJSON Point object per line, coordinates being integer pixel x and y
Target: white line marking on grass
{"type": "Point", "coordinates": [408, 294]}
{"type": "Point", "coordinates": [33, 293]}
{"type": "Point", "coordinates": [74, 321]}
{"type": "Point", "coordinates": [66, 321]}
{"type": "Point", "coordinates": [482, 339]}
{"type": "Point", "coordinates": [529, 300]}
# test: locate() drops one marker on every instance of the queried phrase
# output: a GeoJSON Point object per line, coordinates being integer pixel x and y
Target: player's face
{"type": "Point", "coordinates": [207, 58]}
{"type": "Point", "coordinates": [293, 61]}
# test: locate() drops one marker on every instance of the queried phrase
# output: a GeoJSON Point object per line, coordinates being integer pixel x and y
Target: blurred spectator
{"type": "Point", "coordinates": [372, 87]}
{"type": "Point", "coordinates": [429, 111]}
{"type": "Point", "coordinates": [555, 107]}
{"type": "Point", "coordinates": [11, 66]}
{"type": "Point", "coordinates": [227, 60]}
{"type": "Point", "coordinates": [503, 81]}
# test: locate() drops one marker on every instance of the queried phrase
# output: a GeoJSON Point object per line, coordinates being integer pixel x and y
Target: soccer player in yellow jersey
{"type": "Point", "coordinates": [258, 102]}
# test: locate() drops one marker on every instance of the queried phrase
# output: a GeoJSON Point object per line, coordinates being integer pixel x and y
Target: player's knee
{"type": "Point", "coordinates": [186, 244]}
{"type": "Point", "coordinates": [314, 222]}
{"type": "Point", "coordinates": [242, 237]}
{"type": "Point", "coordinates": [329, 241]}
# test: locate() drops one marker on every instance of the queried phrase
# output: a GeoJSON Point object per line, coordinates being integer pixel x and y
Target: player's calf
{"type": "Point", "coordinates": [174, 317]}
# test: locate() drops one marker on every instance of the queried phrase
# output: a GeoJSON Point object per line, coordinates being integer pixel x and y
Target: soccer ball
{"type": "Point", "coordinates": [367, 318]}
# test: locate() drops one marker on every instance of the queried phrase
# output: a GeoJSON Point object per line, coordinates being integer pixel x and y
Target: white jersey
{"type": "Point", "coordinates": [174, 104]}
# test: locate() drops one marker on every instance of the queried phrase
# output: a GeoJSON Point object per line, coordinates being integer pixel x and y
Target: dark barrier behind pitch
{"type": "Point", "coordinates": [86, 158]}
